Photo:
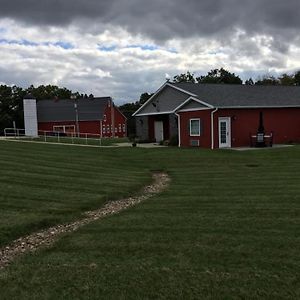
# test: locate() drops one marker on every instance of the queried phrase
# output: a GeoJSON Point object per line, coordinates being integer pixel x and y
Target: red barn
{"type": "Point", "coordinates": [220, 115]}
{"type": "Point", "coordinates": [86, 115]}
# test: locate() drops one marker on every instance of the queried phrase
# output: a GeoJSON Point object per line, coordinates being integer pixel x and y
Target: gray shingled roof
{"type": "Point", "coordinates": [227, 95]}
{"type": "Point", "coordinates": [64, 110]}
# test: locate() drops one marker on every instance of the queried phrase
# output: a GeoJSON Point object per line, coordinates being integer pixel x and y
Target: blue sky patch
{"type": "Point", "coordinates": [64, 45]}
{"type": "Point", "coordinates": [61, 44]}
{"type": "Point", "coordinates": [109, 48]}
{"type": "Point", "coordinates": [144, 47]}
{"type": "Point", "coordinates": [18, 42]}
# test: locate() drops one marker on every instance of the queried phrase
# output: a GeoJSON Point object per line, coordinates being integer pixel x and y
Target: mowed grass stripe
{"type": "Point", "coordinates": [227, 228]}
{"type": "Point", "coordinates": [56, 184]}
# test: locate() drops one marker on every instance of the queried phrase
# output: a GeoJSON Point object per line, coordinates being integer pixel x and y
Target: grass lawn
{"type": "Point", "coordinates": [42, 185]}
{"type": "Point", "coordinates": [227, 228]}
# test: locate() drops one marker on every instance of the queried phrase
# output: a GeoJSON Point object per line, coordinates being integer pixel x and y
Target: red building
{"type": "Point", "coordinates": [220, 116]}
{"type": "Point", "coordinates": [92, 115]}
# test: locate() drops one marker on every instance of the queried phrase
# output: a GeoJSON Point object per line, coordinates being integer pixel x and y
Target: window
{"type": "Point", "coordinates": [116, 129]}
{"type": "Point", "coordinates": [194, 127]}
{"type": "Point", "coordinates": [108, 129]}
{"type": "Point", "coordinates": [124, 129]}
{"type": "Point", "coordinates": [64, 128]}
{"type": "Point", "coordinates": [120, 127]}
{"type": "Point", "coordinates": [103, 130]}
{"type": "Point", "coordinates": [104, 118]}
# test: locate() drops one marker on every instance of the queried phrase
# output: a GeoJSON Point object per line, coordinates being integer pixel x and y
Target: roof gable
{"type": "Point", "coordinates": [165, 100]}
{"type": "Point", "coordinates": [193, 104]}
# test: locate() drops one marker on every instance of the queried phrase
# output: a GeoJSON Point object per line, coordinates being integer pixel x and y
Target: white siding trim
{"type": "Point", "coordinates": [193, 109]}
{"type": "Point", "coordinates": [193, 99]}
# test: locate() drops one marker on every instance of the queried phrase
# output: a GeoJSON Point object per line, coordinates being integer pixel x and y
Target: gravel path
{"type": "Point", "coordinates": [47, 237]}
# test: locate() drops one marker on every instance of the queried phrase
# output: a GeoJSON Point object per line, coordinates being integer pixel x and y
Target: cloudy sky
{"type": "Point", "coordinates": [125, 47]}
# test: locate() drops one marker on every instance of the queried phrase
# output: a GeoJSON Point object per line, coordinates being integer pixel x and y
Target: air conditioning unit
{"type": "Point", "coordinates": [194, 143]}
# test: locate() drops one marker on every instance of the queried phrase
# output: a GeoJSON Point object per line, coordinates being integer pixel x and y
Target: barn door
{"type": "Point", "coordinates": [159, 131]}
{"type": "Point", "coordinates": [224, 133]}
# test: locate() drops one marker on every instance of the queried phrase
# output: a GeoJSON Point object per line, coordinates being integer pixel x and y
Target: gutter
{"type": "Point", "coordinates": [212, 128]}
{"type": "Point", "coordinates": [179, 135]}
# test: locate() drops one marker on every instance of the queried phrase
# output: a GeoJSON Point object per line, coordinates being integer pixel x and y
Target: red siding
{"type": "Point", "coordinates": [84, 126]}
{"type": "Point", "coordinates": [283, 122]}
{"type": "Point", "coordinates": [120, 122]}
{"type": "Point", "coordinates": [205, 137]}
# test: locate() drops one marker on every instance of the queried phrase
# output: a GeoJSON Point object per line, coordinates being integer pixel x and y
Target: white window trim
{"type": "Point", "coordinates": [191, 120]}
{"type": "Point", "coordinates": [63, 127]}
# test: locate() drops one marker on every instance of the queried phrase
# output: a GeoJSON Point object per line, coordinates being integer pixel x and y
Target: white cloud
{"type": "Point", "coordinates": [129, 64]}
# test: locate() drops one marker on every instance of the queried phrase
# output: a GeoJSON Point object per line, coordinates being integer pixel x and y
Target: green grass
{"type": "Point", "coordinates": [45, 185]}
{"type": "Point", "coordinates": [227, 228]}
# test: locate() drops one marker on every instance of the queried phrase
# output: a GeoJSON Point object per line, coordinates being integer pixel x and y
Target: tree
{"type": "Point", "coordinates": [249, 81]}
{"type": "Point", "coordinates": [184, 77]}
{"type": "Point", "coordinates": [220, 76]}
{"type": "Point", "coordinates": [267, 80]}
{"type": "Point", "coordinates": [11, 106]}
{"type": "Point", "coordinates": [144, 98]}
{"type": "Point", "coordinates": [286, 79]}
{"type": "Point", "coordinates": [297, 78]}
{"type": "Point", "coordinates": [43, 92]}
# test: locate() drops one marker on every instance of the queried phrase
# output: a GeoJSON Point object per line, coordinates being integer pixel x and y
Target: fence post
{"type": "Point", "coordinates": [58, 138]}
{"type": "Point", "coordinates": [86, 140]}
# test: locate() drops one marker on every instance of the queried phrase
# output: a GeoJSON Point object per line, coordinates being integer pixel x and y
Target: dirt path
{"type": "Point", "coordinates": [47, 237]}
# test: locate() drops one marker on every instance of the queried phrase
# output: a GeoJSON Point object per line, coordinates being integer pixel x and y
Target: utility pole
{"type": "Point", "coordinates": [73, 97]}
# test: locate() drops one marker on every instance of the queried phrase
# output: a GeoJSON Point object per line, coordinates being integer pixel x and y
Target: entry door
{"type": "Point", "coordinates": [224, 133]}
{"type": "Point", "coordinates": [159, 131]}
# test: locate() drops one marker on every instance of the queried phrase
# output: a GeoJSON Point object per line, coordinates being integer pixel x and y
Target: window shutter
{"type": "Point", "coordinates": [188, 127]}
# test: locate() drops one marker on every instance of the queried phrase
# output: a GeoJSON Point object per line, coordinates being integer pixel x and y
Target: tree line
{"type": "Point", "coordinates": [222, 76]}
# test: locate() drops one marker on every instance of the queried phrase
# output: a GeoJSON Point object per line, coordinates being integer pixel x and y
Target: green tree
{"type": "Point", "coordinates": [11, 106]}
{"type": "Point", "coordinates": [297, 78]}
{"type": "Point", "coordinates": [286, 79]}
{"type": "Point", "coordinates": [184, 77]}
{"type": "Point", "coordinates": [43, 92]}
{"type": "Point", "coordinates": [220, 76]}
{"type": "Point", "coordinates": [268, 80]}
{"type": "Point", "coordinates": [144, 98]}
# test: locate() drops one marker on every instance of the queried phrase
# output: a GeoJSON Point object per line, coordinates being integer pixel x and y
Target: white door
{"type": "Point", "coordinates": [224, 133]}
{"type": "Point", "coordinates": [159, 131]}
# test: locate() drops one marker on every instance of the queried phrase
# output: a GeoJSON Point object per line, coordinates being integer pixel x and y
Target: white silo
{"type": "Point", "coordinates": [30, 116]}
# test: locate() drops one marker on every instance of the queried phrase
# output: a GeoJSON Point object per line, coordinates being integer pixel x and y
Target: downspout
{"type": "Point", "coordinates": [101, 128]}
{"type": "Point", "coordinates": [212, 128]}
{"type": "Point", "coordinates": [179, 136]}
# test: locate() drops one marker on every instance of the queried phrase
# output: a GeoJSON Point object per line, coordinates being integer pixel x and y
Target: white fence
{"type": "Point", "coordinates": [56, 136]}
